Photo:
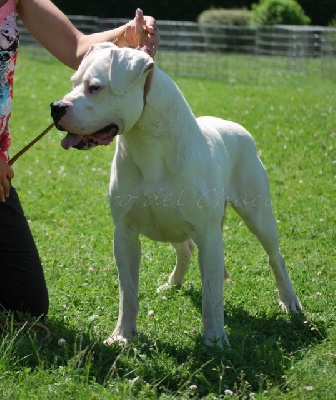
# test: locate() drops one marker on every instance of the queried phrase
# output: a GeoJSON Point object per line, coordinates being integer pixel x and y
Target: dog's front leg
{"type": "Point", "coordinates": [127, 253]}
{"type": "Point", "coordinates": [211, 262]}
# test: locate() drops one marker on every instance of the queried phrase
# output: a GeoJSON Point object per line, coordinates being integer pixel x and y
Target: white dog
{"type": "Point", "coordinates": [172, 177]}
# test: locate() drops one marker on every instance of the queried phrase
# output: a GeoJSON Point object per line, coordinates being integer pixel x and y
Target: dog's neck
{"type": "Point", "coordinates": [167, 108]}
{"type": "Point", "coordinates": [158, 133]}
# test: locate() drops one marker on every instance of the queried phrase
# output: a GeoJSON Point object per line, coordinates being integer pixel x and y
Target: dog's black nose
{"type": "Point", "coordinates": [58, 109]}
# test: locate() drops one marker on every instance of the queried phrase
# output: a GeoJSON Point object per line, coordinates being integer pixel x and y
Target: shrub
{"type": "Point", "coordinates": [221, 16]}
{"type": "Point", "coordinates": [332, 23]}
{"type": "Point", "coordinates": [226, 30]}
{"type": "Point", "coordinates": [278, 12]}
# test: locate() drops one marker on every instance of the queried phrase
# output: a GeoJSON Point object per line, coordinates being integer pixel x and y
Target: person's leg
{"type": "Point", "coordinates": [22, 284]}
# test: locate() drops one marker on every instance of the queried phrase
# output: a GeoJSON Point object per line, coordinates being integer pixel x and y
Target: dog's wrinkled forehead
{"type": "Point", "coordinates": [95, 52]}
{"type": "Point", "coordinates": [124, 66]}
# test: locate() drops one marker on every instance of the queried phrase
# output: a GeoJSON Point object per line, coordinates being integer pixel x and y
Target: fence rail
{"type": "Point", "coordinates": [228, 52]}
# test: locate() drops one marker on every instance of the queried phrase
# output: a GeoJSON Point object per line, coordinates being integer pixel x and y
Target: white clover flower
{"type": "Point", "coordinates": [61, 342]}
{"type": "Point", "coordinates": [193, 388]}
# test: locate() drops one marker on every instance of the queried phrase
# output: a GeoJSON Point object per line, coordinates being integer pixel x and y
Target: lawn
{"type": "Point", "coordinates": [272, 355]}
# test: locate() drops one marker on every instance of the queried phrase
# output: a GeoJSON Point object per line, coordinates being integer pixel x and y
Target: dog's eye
{"type": "Point", "coordinates": [93, 88]}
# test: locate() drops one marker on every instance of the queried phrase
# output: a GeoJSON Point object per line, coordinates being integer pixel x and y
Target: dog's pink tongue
{"type": "Point", "coordinates": [71, 140]}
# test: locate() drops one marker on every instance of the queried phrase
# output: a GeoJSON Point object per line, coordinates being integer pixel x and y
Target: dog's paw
{"type": "Point", "coordinates": [120, 336]}
{"type": "Point", "coordinates": [111, 340]}
{"type": "Point", "coordinates": [220, 342]}
{"type": "Point", "coordinates": [163, 288]}
{"type": "Point", "coordinates": [167, 286]}
{"type": "Point", "coordinates": [291, 305]}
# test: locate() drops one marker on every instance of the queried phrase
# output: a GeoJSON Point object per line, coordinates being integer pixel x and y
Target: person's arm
{"type": "Point", "coordinates": [58, 35]}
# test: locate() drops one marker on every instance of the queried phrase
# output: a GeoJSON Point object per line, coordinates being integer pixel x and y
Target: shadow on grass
{"type": "Point", "coordinates": [263, 346]}
{"type": "Point", "coordinates": [263, 349]}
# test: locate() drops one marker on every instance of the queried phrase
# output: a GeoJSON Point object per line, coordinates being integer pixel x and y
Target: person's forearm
{"type": "Point", "coordinates": [53, 29]}
{"type": "Point", "coordinates": [115, 35]}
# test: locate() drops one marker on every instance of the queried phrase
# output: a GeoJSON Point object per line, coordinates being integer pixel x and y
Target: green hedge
{"type": "Point", "coordinates": [278, 12]}
{"type": "Point", "coordinates": [222, 16]}
{"type": "Point", "coordinates": [332, 23]}
{"type": "Point", "coordinates": [227, 30]}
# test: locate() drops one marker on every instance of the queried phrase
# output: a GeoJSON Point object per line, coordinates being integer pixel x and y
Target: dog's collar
{"type": "Point", "coordinates": [149, 77]}
{"type": "Point", "coordinates": [147, 85]}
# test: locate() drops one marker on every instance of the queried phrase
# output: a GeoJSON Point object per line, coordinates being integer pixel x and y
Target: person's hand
{"type": "Point", "coordinates": [6, 174]}
{"type": "Point", "coordinates": [142, 31]}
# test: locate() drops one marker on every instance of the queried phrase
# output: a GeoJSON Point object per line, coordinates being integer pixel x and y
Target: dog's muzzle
{"type": "Point", "coordinates": [58, 110]}
{"type": "Point", "coordinates": [102, 137]}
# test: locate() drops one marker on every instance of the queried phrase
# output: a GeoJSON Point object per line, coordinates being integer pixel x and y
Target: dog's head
{"type": "Point", "coordinates": [107, 96]}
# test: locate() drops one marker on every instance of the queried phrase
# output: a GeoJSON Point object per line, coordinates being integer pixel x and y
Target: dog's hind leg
{"type": "Point", "coordinates": [183, 254]}
{"type": "Point", "coordinates": [253, 204]}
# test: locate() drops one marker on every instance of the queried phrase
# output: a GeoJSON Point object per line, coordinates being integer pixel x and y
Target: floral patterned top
{"type": "Point", "coordinates": [9, 41]}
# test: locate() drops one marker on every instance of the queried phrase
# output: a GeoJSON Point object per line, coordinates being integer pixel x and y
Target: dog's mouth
{"type": "Point", "coordinates": [103, 137]}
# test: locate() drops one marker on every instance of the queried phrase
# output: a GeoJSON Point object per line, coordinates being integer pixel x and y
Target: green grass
{"type": "Point", "coordinates": [273, 355]}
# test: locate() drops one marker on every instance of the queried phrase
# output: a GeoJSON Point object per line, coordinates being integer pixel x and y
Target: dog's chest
{"type": "Point", "coordinates": [157, 212]}
{"type": "Point", "coordinates": [163, 229]}
{"type": "Point", "coordinates": [159, 215]}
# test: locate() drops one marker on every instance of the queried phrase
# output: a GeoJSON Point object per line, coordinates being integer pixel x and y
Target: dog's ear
{"type": "Point", "coordinates": [127, 67]}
